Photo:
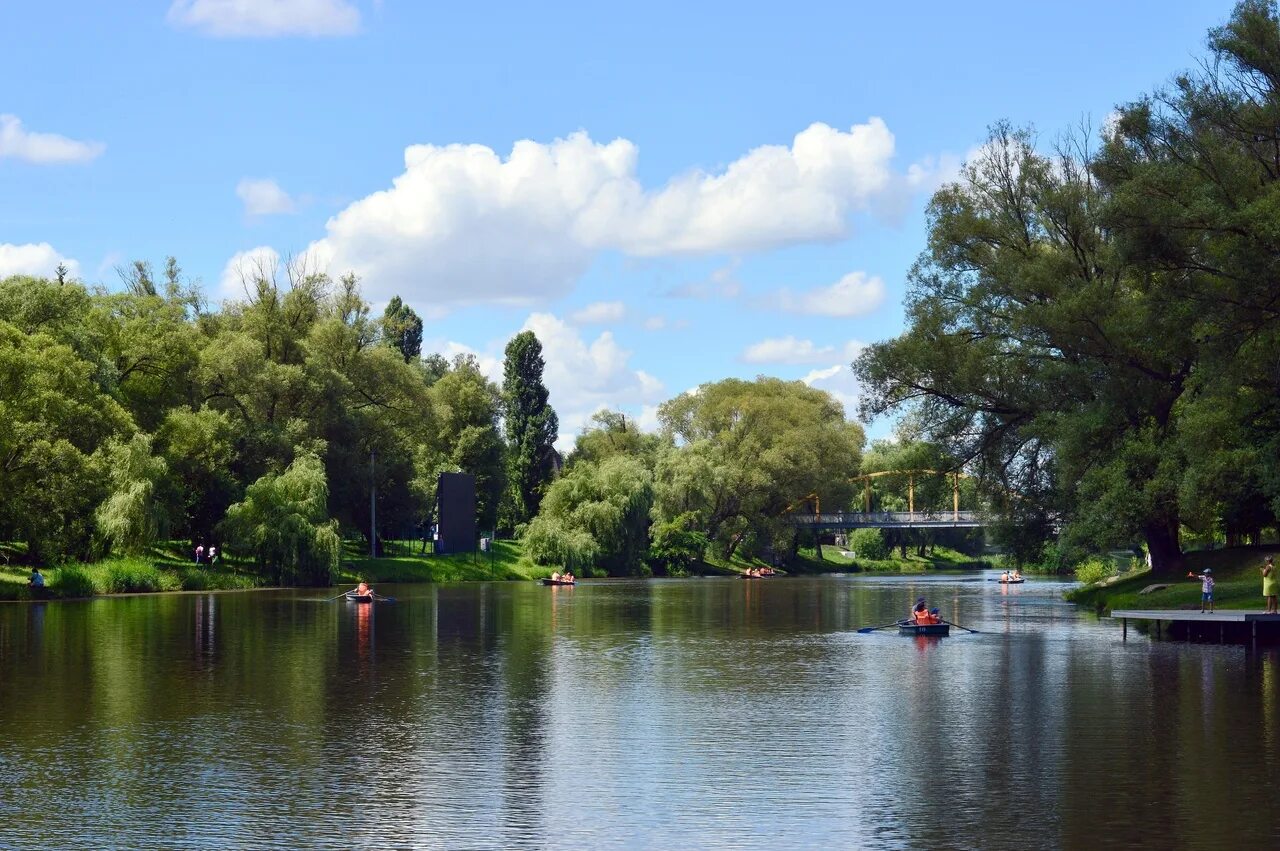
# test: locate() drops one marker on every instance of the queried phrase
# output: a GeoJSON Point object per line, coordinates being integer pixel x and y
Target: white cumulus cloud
{"type": "Point", "coordinates": [792, 350]}
{"type": "Point", "coordinates": [20, 143]}
{"type": "Point", "coordinates": [599, 312]}
{"type": "Point", "coordinates": [464, 224]}
{"type": "Point", "coordinates": [33, 258]}
{"type": "Point", "coordinates": [856, 294]}
{"type": "Point", "coordinates": [265, 18]}
{"type": "Point", "coordinates": [264, 197]}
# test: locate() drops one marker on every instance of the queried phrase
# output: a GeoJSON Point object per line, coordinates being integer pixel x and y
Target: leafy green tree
{"type": "Point", "coordinates": [402, 329]}
{"type": "Point", "coordinates": [610, 503]}
{"type": "Point", "coordinates": [283, 521]}
{"type": "Point", "coordinates": [1039, 356]}
{"type": "Point", "coordinates": [133, 516]}
{"type": "Point", "coordinates": [611, 433]}
{"type": "Point", "coordinates": [199, 448]}
{"type": "Point", "coordinates": [869, 544]}
{"type": "Point", "coordinates": [531, 424]}
{"type": "Point", "coordinates": [748, 452]}
{"type": "Point", "coordinates": [57, 416]}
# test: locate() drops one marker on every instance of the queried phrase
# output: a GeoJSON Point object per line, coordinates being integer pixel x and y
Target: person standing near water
{"type": "Point", "coordinates": [199, 553]}
{"type": "Point", "coordinates": [1206, 587]}
{"type": "Point", "coordinates": [1269, 583]}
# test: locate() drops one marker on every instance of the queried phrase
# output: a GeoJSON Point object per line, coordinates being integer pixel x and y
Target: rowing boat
{"type": "Point", "coordinates": [359, 598]}
{"type": "Point", "coordinates": [546, 581]}
{"type": "Point", "coordinates": [1008, 581]}
{"type": "Point", "coordinates": [909, 628]}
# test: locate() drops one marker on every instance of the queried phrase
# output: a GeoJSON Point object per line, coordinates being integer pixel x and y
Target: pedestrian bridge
{"type": "Point", "coordinates": [890, 520]}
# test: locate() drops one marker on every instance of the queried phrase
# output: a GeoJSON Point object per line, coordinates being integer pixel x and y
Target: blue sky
{"type": "Point", "coordinates": [700, 191]}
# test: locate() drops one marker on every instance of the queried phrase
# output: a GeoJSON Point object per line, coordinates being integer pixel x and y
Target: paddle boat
{"type": "Point", "coordinates": [547, 581]}
{"type": "Point", "coordinates": [906, 627]}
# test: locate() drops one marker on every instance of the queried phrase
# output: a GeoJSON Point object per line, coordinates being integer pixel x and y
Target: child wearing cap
{"type": "Point", "coordinates": [1206, 587]}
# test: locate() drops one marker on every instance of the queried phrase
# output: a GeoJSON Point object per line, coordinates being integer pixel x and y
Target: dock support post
{"type": "Point", "coordinates": [1124, 629]}
{"type": "Point", "coordinates": [1255, 636]}
{"type": "Point", "coordinates": [1222, 632]}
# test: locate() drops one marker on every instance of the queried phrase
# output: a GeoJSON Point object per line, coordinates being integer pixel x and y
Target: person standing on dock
{"type": "Point", "coordinates": [1269, 583]}
{"type": "Point", "coordinates": [1206, 587]}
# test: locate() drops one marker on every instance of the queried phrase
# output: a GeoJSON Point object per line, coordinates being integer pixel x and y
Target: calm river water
{"type": "Point", "coordinates": [701, 713]}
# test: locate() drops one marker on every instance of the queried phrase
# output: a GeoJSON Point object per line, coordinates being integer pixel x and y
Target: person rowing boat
{"type": "Point", "coordinates": [361, 590]}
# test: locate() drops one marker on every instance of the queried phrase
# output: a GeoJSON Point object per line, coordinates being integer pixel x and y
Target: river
{"type": "Point", "coordinates": [698, 713]}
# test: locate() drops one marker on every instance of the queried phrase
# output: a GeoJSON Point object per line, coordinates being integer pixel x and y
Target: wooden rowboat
{"type": "Point", "coordinates": [909, 628]}
{"type": "Point", "coordinates": [547, 581]}
{"type": "Point", "coordinates": [359, 598]}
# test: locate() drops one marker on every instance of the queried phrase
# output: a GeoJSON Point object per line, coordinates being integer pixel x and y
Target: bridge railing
{"type": "Point", "coordinates": [890, 518]}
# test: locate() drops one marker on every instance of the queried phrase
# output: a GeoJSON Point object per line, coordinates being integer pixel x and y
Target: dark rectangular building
{"type": "Point", "coordinates": [456, 513]}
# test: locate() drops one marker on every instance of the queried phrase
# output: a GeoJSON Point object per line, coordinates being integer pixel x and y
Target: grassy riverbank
{"type": "Point", "coordinates": [1238, 585]}
{"type": "Point", "coordinates": [506, 560]}
{"type": "Point", "coordinates": [940, 558]}
{"type": "Point", "coordinates": [125, 575]}
{"type": "Point", "coordinates": [166, 568]}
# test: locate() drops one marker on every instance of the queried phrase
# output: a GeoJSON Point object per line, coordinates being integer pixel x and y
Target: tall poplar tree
{"type": "Point", "coordinates": [531, 425]}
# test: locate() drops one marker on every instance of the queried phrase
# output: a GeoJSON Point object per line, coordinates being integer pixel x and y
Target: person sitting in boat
{"type": "Point", "coordinates": [555, 576]}
{"type": "Point", "coordinates": [920, 615]}
{"type": "Point", "coordinates": [567, 577]}
{"type": "Point", "coordinates": [363, 589]}
{"type": "Point", "coordinates": [1016, 576]}
{"type": "Point", "coordinates": [934, 617]}
{"type": "Point", "coordinates": [1004, 577]}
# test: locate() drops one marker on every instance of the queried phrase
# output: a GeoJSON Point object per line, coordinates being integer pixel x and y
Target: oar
{"type": "Point", "coordinates": [965, 628]}
{"type": "Point", "coordinates": [866, 629]}
{"type": "Point", "coordinates": [331, 599]}
{"type": "Point", "coordinates": [382, 598]}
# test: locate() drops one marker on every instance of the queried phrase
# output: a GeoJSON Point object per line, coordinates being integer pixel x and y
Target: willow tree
{"type": "Point", "coordinates": [1194, 177]}
{"type": "Point", "coordinates": [1041, 356]}
{"type": "Point", "coordinates": [133, 515]}
{"type": "Point", "coordinates": [283, 522]}
{"type": "Point", "coordinates": [748, 452]}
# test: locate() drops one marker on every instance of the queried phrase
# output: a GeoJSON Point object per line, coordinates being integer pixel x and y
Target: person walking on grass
{"type": "Point", "coordinates": [1206, 587]}
{"type": "Point", "coordinates": [1269, 583]}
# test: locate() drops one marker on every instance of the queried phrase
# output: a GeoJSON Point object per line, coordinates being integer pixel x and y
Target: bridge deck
{"type": "Point", "coordinates": [891, 520]}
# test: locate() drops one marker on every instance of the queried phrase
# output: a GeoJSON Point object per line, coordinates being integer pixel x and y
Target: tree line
{"type": "Point", "coordinates": [1094, 326]}
{"type": "Point", "coordinates": [142, 414]}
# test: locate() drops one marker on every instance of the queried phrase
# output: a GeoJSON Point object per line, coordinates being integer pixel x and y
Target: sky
{"type": "Point", "coordinates": [665, 193]}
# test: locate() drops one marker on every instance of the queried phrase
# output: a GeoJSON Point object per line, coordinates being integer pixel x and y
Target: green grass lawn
{"type": "Point", "coordinates": [505, 561]}
{"type": "Point", "coordinates": [1238, 584]}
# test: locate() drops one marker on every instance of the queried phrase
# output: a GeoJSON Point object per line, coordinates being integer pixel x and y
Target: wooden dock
{"type": "Point", "coordinates": [1237, 618]}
